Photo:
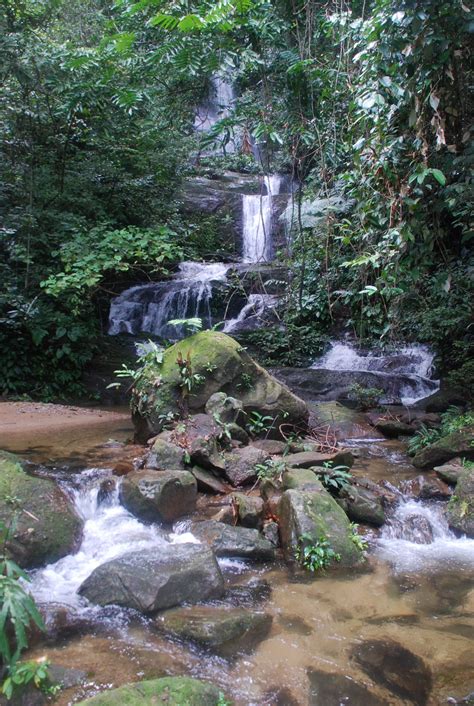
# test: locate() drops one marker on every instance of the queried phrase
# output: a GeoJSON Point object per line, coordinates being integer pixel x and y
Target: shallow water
{"type": "Point", "coordinates": [420, 595]}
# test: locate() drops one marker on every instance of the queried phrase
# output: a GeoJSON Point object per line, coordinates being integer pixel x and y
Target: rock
{"type": "Point", "coordinates": [199, 435]}
{"type": "Point", "coordinates": [46, 526]}
{"type": "Point", "coordinates": [362, 505]}
{"type": "Point", "coordinates": [225, 366]}
{"type": "Point", "coordinates": [317, 514]}
{"type": "Point", "coordinates": [207, 482]}
{"type": "Point", "coordinates": [460, 511]}
{"type": "Point", "coordinates": [224, 408]}
{"type": "Point", "coordinates": [328, 689]}
{"type": "Point", "coordinates": [391, 427]}
{"type": "Point", "coordinates": [223, 630]}
{"type": "Point", "coordinates": [62, 620]}
{"type": "Point", "coordinates": [240, 465]}
{"type": "Point", "coordinates": [159, 496]}
{"type": "Point", "coordinates": [390, 664]}
{"type": "Point", "coordinates": [106, 491]}
{"type": "Point", "coordinates": [152, 580]}
{"type": "Point", "coordinates": [237, 433]}
{"type": "Point", "coordinates": [271, 532]}
{"type": "Point", "coordinates": [427, 488]}
{"type": "Point", "coordinates": [27, 695]}
{"type": "Point", "coordinates": [450, 472]}
{"type": "Point", "coordinates": [123, 468]}
{"type": "Point", "coordinates": [168, 691]}
{"type": "Point", "coordinates": [459, 443]}
{"type": "Point", "coordinates": [418, 529]}
{"type": "Point", "coordinates": [251, 594]}
{"type": "Point", "coordinates": [345, 422]}
{"type": "Point", "coordinates": [238, 542]}
{"type": "Point", "coordinates": [165, 455]}
{"type": "Point", "coordinates": [66, 677]}
{"type": "Point", "coordinates": [250, 509]}
{"type": "Point", "coordinates": [300, 479]}
{"type": "Point", "coordinates": [307, 459]}
{"type": "Point", "coordinates": [272, 447]}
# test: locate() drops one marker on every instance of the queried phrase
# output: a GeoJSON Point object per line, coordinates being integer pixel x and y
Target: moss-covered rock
{"type": "Point", "coordinates": [461, 505]}
{"type": "Point", "coordinates": [168, 691]}
{"type": "Point", "coordinates": [45, 525]}
{"type": "Point", "coordinates": [459, 443]}
{"type": "Point", "coordinates": [315, 514]}
{"type": "Point", "coordinates": [159, 496]}
{"type": "Point", "coordinates": [224, 367]}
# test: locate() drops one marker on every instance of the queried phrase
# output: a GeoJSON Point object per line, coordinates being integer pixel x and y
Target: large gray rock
{"type": "Point", "coordinates": [239, 542]}
{"type": "Point", "coordinates": [159, 496]}
{"type": "Point", "coordinates": [165, 455]}
{"type": "Point", "coordinates": [459, 443]}
{"type": "Point", "coordinates": [240, 465]}
{"type": "Point", "coordinates": [224, 408]}
{"type": "Point", "coordinates": [250, 509]}
{"type": "Point", "coordinates": [362, 505]}
{"type": "Point", "coordinates": [308, 459]}
{"type": "Point", "coordinates": [152, 580]}
{"type": "Point", "coordinates": [450, 471]}
{"type": "Point", "coordinates": [390, 664]}
{"type": "Point", "coordinates": [461, 506]}
{"type": "Point", "coordinates": [167, 691]}
{"type": "Point", "coordinates": [221, 629]}
{"type": "Point", "coordinates": [224, 367]}
{"type": "Point", "coordinates": [315, 514]}
{"type": "Point", "coordinates": [207, 482]}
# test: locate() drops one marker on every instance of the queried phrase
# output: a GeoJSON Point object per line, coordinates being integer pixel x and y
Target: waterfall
{"type": "Point", "coordinates": [218, 105]}
{"type": "Point", "coordinates": [417, 538]}
{"type": "Point", "coordinates": [257, 305]}
{"type": "Point", "coordinates": [257, 221]}
{"type": "Point", "coordinates": [149, 307]}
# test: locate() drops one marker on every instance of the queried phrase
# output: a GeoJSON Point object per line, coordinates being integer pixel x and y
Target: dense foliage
{"type": "Point", "coordinates": [365, 103]}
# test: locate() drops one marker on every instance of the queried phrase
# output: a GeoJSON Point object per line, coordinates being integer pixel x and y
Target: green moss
{"type": "Point", "coordinates": [169, 691]}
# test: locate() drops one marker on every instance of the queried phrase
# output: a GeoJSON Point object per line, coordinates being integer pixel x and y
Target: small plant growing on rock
{"type": "Point", "coordinates": [189, 326]}
{"type": "Point", "coordinates": [270, 470]}
{"type": "Point", "coordinates": [360, 542]}
{"type": "Point", "coordinates": [335, 479]}
{"type": "Point", "coordinates": [149, 360]}
{"type": "Point", "coordinates": [365, 397]}
{"type": "Point", "coordinates": [259, 424]}
{"type": "Point", "coordinates": [316, 554]}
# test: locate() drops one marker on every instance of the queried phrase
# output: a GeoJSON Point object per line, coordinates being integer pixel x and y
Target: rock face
{"type": "Point", "coordinates": [461, 506]}
{"type": "Point", "coordinates": [159, 496]}
{"type": "Point", "coordinates": [239, 542]}
{"type": "Point", "coordinates": [328, 689]}
{"type": "Point", "coordinates": [316, 513]}
{"type": "Point", "coordinates": [240, 465]}
{"type": "Point", "coordinates": [250, 509]}
{"type": "Point", "coordinates": [47, 526]}
{"type": "Point", "coordinates": [149, 581]}
{"type": "Point", "coordinates": [168, 691]}
{"type": "Point", "coordinates": [450, 472]}
{"type": "Point", "coordinates": [459, 443]}
{"type": "Point", "coordinates": [226, 631]}
{"type": "Point", "coordinates": [392, 665]}
{"type": "Point", "coordinates": [165, 455]}
{"type": "Point", "coordinates": [225, 367]}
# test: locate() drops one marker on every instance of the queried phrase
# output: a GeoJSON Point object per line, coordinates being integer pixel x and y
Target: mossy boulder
{"type": "Point", "coordinates": [168, 691]}
{"type": "Point", "coordinates": [459, 443]}
{"type": "Point", "coordinates": [45, 524]}
{"type": "Point", "coordinates": [159, 496]}
{"type": "Point", "coordinates": [461, 505]}
{"type": "Point", "coordinates": [225, 367]}
{"type": "Point", "coordinates": [314, 514]}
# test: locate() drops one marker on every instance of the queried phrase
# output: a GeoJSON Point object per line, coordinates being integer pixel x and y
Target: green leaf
{"type": "Point", "coordinates": [439, 176]}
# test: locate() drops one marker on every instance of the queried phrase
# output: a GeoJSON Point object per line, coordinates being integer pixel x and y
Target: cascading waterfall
{"type": "Point", "coordinates": [257, 212]}
{"type": "Point", "coordinates": [256, 306]}
{"type": "Point", "coordinates": [218, 105]}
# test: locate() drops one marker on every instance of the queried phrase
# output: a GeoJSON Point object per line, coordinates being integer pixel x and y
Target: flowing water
{"type": "Point", "coordinates": [257, 213]}
{"type": "Point", "coordinates": [416, 589]}
{"type": "Point", "coordinates": [217, 106]}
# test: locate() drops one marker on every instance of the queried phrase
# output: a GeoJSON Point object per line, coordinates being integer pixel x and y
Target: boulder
{"type": "Point", "coordinates": [238, 542]}
{"type": "Point", "coordinates": [316, 514]}
{"type": "Point", "coordinates": [165, 455]}
{"type": "Point", "coordinates": [450, 471]}
{"type": "Point", "coordinates": [168, 691]}
{"type": "Point", "coordinates": [250, 509]}
{"type": "Point", "coordinates": [459, 443]}
{"type": "Point", "coordinates": [391, 427]}
{"type": "Point", "coordinates": [271, 532]}
{"type": "Point", "coordinates": [207, 482]}
{"type": "Point", "coordinates": [300, 479]}
{"type": "Point", "coordinates": [224, 630]}
{"type": "Point", "coordinates": [199, 436]}
{"type": "Point", "coordinates": [152, 580]}
{"type": "Point", "coordinates": [272, 447]}
{"type": "Point", "coordinates": [159, 496]}
{"type": "Point", "coordinates": [362, 505]}
{"type": "Point", "coordinates": [307, 459]}
{"type": "Point", "coordinates": [240, 465]}
{"type": "Point", "coordinates": [330, 689]}
{"type": "Point", "coordinates": [239, 434]}
{"type": "Point", "coordinates": [46, 526]}
{"type": "Point", "coordinates": [461, 506]}
{"type": "Point", "coordinates": [224, 408]}
{"type": "Point", "coordinates": [224, 367]}
{"type": "Point", "coordinates": [428, 488]}
{"type": "Point", "coordinates": [390, 664]}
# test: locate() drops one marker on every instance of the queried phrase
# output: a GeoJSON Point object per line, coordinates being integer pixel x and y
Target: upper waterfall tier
{"type": "Point", "coordinates": [257, 217]}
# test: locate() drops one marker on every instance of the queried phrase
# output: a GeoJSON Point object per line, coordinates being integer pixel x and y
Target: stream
{"type": "Point", "coordinates": [419, 595]}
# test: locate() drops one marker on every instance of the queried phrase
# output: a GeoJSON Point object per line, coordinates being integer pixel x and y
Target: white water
{"type": "Point", "coordinates": [218, 105]}
{"type": "Point", "coordinates": [109, 532]}
{"type": "Point", "coordinates": [414, 362]}
{"type": "Point", "coordinates": [257, 221]}
{"type": "Point", "coordinates": [256, 305]}
{"type": "Point", "coordinates": [399, 542]}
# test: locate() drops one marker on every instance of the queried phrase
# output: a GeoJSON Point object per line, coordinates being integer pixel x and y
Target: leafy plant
{"type": "Point", "coordinates": [451, 421]}
{"type": "Point", "coordinates": [335, 479]}
{"type": "Point", "coordinates": [365, 397]}
{"type": "Point", "coordinates": [259, 424]}
{"type": "Point", "coordinates": [33, 672]}
{"type": "Point", "coordinates": [359, 541]}
{"type": "Point", "coordinates": [316, 554]}
{"type": "Point", "coordinates": [190, 326]}
{"type": "Point", "coordinates": [424, 437]}
{"type": "Point", "coordinates": [270, 470]}
{"type": "Point", "coordinates": [189, 379]}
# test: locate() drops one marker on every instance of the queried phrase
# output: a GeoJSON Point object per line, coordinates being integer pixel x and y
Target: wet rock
{"type": "Point", "coordinates": [307, 459]}
{"type": "Point", "coordinates": [238, 542]}
{"type": "Point", "coordinates": [159, 496]}
{"type": "Point", "coordinates": [450, 472]}
{"type": "Point", "coordinates": [106, 491]}
{"type": "Point", "coordinates": [225, 366]}
{"type": "Point", "coordinates": [165, 455]}
{"type": "Point", "coordinates": [390, 664]}
{"type": "Point", "coordinates": [224, 408]}
{"type": "Point", "coordinates": [249, 509]}
{"type": "Point", "coordinates": [47, 527]}
{"type": "Point", "coordinates": [152, 580]}
{"type": "Point", "coordinates": [417, 529]}
{"type": "Point", "coordinates": [223, 630]}
{"type": "Point", "coordinates": [207, 482]}
{"type": "Point", "coordinates": [329, 689]}
{"type": "Point", "coordinates": [362, 505]}
{"type": "Point", "coordinates": [123, 468]}
{"type": "Point", "coordinates": [459, 443]}
{"type": "Point", "coordinates": [391, 427]}
{"type": "Point", "coordinates": [271, 532]}
{"type": "Point", "coordinates": [344, 422]}
{"type": "Point", "coordinates": [460, 512]}
{"type": "Point", "coordinates": [200, 437]}
{"type": "Point", "coordinates": [25, 696]}
{"type": "Point", "coordinates": [62, 621]}
{"type": "Point", "coordinates": [66, 677]}
{"type": "Point", "coordinates": [240, 465]}
{"type": "Point", "coordinates": [239, 434]}
{"type": "Point", "coordinates": [316, 514]}
{"type": "Point", "coordinates": [300, 479]}
{"type": "Point", "coordinates": [168, 691]}
{"type": "Point", "coordinates": [272, 447]}
{"type": "Point", "coordinates": [427, 488]}
{"type": "Point", "coordinates": [253, 593]}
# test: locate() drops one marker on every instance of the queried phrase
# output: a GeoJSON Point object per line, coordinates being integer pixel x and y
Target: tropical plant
{"type": "Point", "coordinates": [258, 424]}
{"type": "Point", "coordinates": [270, 469]}
{"type": "Point", "coordinates": [365, 397]}
{"type": "Point", "coordinates": [316, 554]}
{"type": "Point", "coordinates": [189, 326]}
{"type": "Point", "coordinates": [360, 542]}
{"type": "Point", "coordinates": [335, 478]}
